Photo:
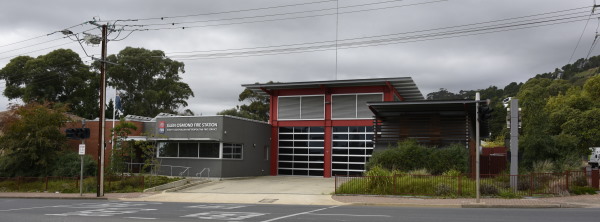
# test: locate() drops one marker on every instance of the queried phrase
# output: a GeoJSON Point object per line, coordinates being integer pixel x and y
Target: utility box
{"type": "Point", "coordinates": [594, 159]}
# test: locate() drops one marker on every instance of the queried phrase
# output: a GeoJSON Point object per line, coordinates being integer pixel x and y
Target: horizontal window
{"type": "Point", "coordinates": [232, 151]}
{"type": "Point", "coordinates": [353, 106]}
{"type": "Point", "coordinates": [188, 149]}
{"type": "Point", "coordinates": [301, 107]}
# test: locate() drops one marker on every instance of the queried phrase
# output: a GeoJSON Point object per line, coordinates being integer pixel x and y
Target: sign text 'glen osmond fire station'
{"type": "Point", "coordinates": [186, 127]}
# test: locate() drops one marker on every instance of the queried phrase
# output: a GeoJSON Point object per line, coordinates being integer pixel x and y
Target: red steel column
{"type": "Point", "coordinates": [274, 135]}
{"type": "Point", "coordinates": [328, 136]}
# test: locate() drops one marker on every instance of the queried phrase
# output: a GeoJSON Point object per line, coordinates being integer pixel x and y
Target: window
{"type": "Point", "coordinates": [232, 151]}
{"type": "Point", "coordinates": [188, 149]}
{"type": "Point", "coordinates": [353, 106]}
{"type": "Point", "coordinates": [301, 107]}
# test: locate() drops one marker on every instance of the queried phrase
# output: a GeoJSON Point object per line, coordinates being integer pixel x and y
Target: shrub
{"type": "Point", "coordinates": [545, 166]}
{"type": "Point", "coordinates": [68, 164]}
{"type": "Point", "coordinates": [452, 173]}
{"type": "Point", "coordinates": [443, 190]}
{"type": "Point", "coordinates": [488, 189]}
{"type": "Point", "coordinates": [454, 157]}
{"type": "Point", "coordinates": [419, 172]}
{"type": "Point", "coordinates": [579, 190]}
{"type": "Point", "coordinates": [408, 155]}
{"type": "Point", "coordinates": [580, 181]}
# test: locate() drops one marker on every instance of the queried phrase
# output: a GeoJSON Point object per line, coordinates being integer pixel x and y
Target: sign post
{"type": "Point", "coordinates": [81, 154]}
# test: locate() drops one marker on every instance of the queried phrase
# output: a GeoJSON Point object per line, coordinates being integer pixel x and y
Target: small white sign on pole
{"type": "Point", "coordinates": [81, 149]}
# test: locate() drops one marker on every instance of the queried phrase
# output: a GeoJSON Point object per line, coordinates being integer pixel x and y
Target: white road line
{"type": "Point", "coordinates": [31, 208]}
{"type": "Point", "coordinates": [352, 215]}
{"type": "Point", "coordinates": [141, 218]}
{"type": "Point", "coordinates": [293, 215]}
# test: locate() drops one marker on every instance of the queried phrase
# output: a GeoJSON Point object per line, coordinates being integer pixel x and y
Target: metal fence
{"type": "Point", "coordinates": [463, 186]}
{"type": "Point", "coordinates": [70, 184]}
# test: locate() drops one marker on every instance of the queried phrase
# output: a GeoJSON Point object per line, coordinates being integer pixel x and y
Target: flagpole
{"type": "Point", "coordinates": [112, 137]}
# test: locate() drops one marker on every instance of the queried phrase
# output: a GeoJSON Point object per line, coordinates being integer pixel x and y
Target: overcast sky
{"type": "Point", "coordinates": [454, 58]}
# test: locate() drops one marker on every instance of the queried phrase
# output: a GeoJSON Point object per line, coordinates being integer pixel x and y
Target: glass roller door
{"type": "Point", "coordinates": [351, 149]}
{"type": "Point", "coordinates": [301, 151]}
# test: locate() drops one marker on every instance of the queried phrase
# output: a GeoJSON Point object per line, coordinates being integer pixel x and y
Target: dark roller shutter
{"type": "Point", "coordinates": [343, 106]}
{"type": "Point", "coordinates": [289, 108]}
{"type": "Point", "coordinates": [362, 109]}
{"type": "Point", "coordinates": [313, 107]}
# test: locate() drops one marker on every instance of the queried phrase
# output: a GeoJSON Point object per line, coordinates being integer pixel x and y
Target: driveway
{"type": "Point", "coordinates": [256, 190]}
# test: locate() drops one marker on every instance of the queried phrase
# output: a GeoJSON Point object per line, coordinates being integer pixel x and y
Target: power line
{"type": "Point", "coordinates": [13, 56]}
{"type": "Point", "coordinates": [267, 15]}
{"type": "Point", "coordinates": [41, 36]}
{"type": "Point", "coordinates": [582, 32]}
{"type": "Point", "coordinates": [370, 39]}
{"type": "Point", "coordinates": [401, 33]}
{"type": "Point", "coordinates": [217, 13]}
{"type": "Point", "coordinates": [406, 40]}
{"type": "Point", "coordinates": [279, 19]}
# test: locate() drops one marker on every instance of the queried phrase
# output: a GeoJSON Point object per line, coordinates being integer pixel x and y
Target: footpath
{"type": "Point", "coordinates": [311, 191]}
{"type": "Point", "coordinates": [581, 201]}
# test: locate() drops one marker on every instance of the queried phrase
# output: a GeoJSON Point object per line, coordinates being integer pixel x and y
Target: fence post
{"type": "Point", "coordinates": [531, 184]}
{"type": "Point", "coordinates": [46, 187]}
{"type": "Point", "coordinates": [459, 185]}
{"type": "Point", "coordinates": [596, 178]}
{"type": "Point", "coordinates": [567, 180]}
{"type": "Point", "coordinates": [335, 184]}
{"type": "Point", "coordinates": [394, 184]}
{"type": "Point", "coordinates": [143, 183]}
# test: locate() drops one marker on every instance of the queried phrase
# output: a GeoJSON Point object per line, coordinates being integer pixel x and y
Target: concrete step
{"type": "Point", "coordinates": [191, 183]}
{"type": "Point", "coordinates": [177, 185]}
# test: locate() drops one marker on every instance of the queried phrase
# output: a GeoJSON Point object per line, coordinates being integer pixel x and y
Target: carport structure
{"type": "Point", "coordinates": [435, 123]}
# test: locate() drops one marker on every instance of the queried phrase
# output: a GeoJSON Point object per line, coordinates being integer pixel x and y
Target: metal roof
{"type": "Point", "coordinates": [405, 86]}
{"type": "Point", "coordinates": [390, 109]}
{"type": "Point", "coordinates": [443, 107]}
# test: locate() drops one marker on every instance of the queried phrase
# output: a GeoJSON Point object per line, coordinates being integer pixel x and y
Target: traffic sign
{"type": "Point", "coordinates": [81, 149]}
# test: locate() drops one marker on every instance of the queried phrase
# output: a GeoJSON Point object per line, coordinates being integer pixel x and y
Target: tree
{"type": "Point", "coordinates": [150, 83]}
{"type": "Point", "coordinates": [257, 106]}
{"type": "Point", "coordinates": [32, 139]}
{"type": "Point", "coordinates": [121, 148]}
{"type": "Point", "coordinates": [59, 77]}
{"type": "Point", "coordinates": [443, 94]}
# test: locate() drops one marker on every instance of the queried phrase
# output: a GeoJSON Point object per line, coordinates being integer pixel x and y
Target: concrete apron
{"type": "Point", "coordinates": [256, 190]}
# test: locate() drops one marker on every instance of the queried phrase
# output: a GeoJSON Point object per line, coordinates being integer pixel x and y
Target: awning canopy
{"type": "Point", "coordinates": [385, 110]}
{"type": "Point", "coordinates": [391, 109]}
{"type": "Point", "coordinates": [405, 86]}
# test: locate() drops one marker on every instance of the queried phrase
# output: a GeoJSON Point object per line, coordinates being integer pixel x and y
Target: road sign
{"type": "Point", "coordinates": [81, 149]}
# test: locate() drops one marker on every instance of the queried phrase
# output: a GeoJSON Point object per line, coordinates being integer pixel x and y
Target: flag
{"type": "Point", "coordinates": [118, 107]}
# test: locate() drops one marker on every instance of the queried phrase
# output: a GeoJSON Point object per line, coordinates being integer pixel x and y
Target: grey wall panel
{"type": "Point", "coordinates": [254, 136]}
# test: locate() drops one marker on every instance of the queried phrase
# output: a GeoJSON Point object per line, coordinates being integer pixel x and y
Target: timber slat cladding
{"type": "Point", "coordinates": [431, 129]}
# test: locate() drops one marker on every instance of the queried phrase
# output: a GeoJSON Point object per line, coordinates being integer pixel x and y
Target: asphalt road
{"type": "Point", "coordinates": [101, 210]}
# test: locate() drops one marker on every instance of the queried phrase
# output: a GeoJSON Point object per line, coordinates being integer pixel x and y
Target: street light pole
{"type": "Point", "coordinates": [101, 123]}
{"type": "Point", "coordinates": [477, 144]}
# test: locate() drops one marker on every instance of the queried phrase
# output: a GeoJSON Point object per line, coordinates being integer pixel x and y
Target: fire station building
{"type": "Point", "coordinates": [325, 128]}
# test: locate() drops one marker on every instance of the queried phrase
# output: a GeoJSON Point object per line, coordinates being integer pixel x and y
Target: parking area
{"type": "Point", "coordinates": [267, 189]}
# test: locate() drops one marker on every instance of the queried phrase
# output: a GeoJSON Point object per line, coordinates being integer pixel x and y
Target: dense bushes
{"type": "Point", "coordinates": [408, 155]}
{"type": "Point", "coordinates": [68, 164]}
